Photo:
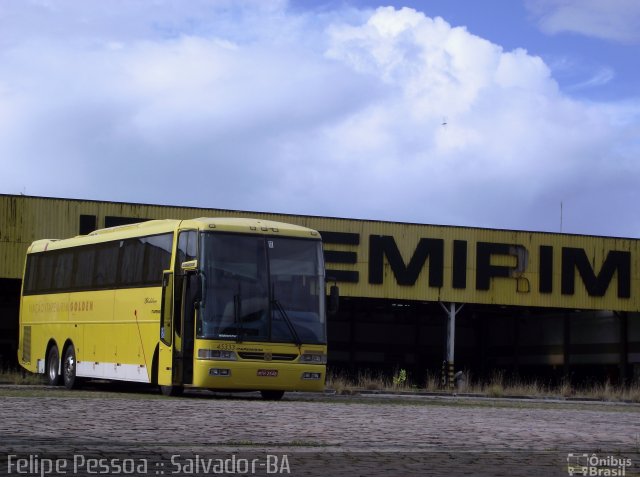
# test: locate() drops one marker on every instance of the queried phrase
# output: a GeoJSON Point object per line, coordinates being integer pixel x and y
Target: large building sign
{"type": "Point", "coordinates": [466, 265]}
{"type": "Point", "coordinates": [389, 260]}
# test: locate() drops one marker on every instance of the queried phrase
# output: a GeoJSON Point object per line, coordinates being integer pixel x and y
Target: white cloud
{"type": "Point", "coordinates": [337, 114]}
{"type": "Point", "coordinates": [617, 20]}
{"type": "Point", "coordinates": [600, 77]}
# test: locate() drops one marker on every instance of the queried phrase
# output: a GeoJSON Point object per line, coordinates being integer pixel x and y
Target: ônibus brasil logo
{"type": "Point", "coordinates": [594, 465]}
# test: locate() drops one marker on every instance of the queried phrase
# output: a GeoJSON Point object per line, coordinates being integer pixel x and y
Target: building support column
{"type": "Point", "coordinates": [448, 365]}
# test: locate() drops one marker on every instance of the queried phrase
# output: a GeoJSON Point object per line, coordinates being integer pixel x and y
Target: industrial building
{"type": "Point", "coordinates": [413, 296]}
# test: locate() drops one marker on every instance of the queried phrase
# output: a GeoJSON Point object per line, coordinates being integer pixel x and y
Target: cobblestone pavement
{"type": "Point", "coordinates": [88, 431]}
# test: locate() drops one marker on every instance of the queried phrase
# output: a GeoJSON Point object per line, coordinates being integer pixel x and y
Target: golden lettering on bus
{"type": "Point", "coordinates": [56, 307]}
{"type": "Point", "coordinates": [74, 306]}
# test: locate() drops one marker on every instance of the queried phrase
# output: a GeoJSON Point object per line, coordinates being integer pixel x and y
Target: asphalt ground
{"type": "Point", "coordinates": [132, 430]}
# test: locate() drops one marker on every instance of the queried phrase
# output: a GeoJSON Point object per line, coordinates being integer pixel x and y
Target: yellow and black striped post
{"type": "Point", "coordinates": [447, 366]}
{"type": "Point", "coordinates": [451, 375]}
{"type": "Point", "coordinates": [443, 375]}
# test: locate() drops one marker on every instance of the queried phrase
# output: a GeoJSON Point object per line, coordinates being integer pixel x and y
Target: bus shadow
{"type": "Point", "coordinates": [123, 387]}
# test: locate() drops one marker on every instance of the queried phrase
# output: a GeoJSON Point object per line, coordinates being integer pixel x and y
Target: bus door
{"type": "Point", "coordinates": [179, 294]}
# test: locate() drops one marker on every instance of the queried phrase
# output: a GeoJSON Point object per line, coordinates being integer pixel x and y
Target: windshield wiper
{"type": "Point", "coordinates": [237, 301]}
{"type": "Point", "coordinates": [287, 320]}
{"type": "Point", "coordinates": [203, 290]}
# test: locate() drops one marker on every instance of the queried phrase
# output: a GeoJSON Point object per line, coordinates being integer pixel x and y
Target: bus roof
{"type": "Point", "coordinates": [153, 227]}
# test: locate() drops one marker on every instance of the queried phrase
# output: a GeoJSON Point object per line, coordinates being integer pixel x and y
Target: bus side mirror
{"type": "Point", "coordinates": [334, 299]}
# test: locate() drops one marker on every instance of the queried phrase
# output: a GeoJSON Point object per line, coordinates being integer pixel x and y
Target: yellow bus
{"type": "Point", "coordinates": [214, 303]}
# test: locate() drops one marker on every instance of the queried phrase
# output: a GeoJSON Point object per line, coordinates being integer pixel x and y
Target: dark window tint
{"type": "Point", "coordinates": [31, 273]}
{"type": "Point", "coordinates": [187, 247]}
{"type": "Point", "coordinates": [83, 273]}
{"type": "Point", "coordinates": [122, 263]}
{"type": "Point", "coordinates": [157, 257]}
{"type": "Point", "coordinates": [63, 270]}
{"type": "Point", "coordinates": [46, 265]}
{"type": "Point", "coordinates": [106, 265]}
{"type": "Point", "coordinates": [131, 262]}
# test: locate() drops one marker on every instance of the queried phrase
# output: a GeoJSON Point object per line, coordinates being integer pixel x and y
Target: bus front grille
{"type": "Point", "coordinates": [268, 356]}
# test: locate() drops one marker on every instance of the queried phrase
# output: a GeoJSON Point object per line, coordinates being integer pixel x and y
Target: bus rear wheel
{"type": "Point", "coordinates": [272, 395]}
{"type": "Point", "coordinates": [69, 368]}
{"type": "Point", "coordinates": [53, 366]}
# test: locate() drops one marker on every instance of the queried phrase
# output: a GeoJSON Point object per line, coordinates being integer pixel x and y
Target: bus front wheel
{"type": "Point", "coordinates": [272, 395]}
{"type": "Point", "coordinates": [53, 366]}
{"type": "Point", "coordinates": [69, 368]}
{"type": "Point", "coordinates": [172, 390]}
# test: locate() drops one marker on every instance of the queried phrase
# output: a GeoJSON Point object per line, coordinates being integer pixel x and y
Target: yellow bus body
{"type": "Point", "coordinates": [115, 332]}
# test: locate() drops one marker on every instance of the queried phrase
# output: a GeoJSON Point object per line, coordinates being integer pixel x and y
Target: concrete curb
{"type": "Point", "coordinates": [470, 396]}
{"type": "Point", "coordinates": [365, 393]}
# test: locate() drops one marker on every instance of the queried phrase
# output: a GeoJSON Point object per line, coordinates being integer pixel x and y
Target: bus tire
{"type": "Point", "coordinates": [154, 367]}
{"type": "Point", "coordinates": [69, 368]}
{"type": "Point", "coordinates": [272, 395]}
{"type": "Point", "coordinates": [53, 366]}
{"type": "Point", "coordinates": [172, 390]}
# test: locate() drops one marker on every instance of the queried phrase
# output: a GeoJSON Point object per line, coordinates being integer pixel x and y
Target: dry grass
{"type": "Point", "coordinates": [499, 386]}
{"type": "Point", "coordinates": [632, 393]}
{"type": "Point", "coordinates": [342, 384]}
{"type": "Point", "coordinates": [433, 383]}
{"type": "Point", "coordinates": [496, 386]}
{"type": "Point", "coordinates": [372, 382]}
{"type": "Point", "coordinates": [608, 392]}
{"type": "Point", "coordinates": [565, 389]}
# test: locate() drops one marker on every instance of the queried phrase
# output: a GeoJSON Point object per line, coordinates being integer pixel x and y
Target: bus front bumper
{"type": "Point", "coordinates": [258, 376]}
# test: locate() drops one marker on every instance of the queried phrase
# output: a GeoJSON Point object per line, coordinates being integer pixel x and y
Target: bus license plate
{"type": "Point", "coordinates": [269, 373]}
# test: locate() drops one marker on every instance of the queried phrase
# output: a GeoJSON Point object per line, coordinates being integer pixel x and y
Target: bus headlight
{"type": "Point", "coordinates": [217, 354]}
{"type": "Point", "coordinates": [225, 373]}
{"type": "Point", "coordinates": [313, 358]}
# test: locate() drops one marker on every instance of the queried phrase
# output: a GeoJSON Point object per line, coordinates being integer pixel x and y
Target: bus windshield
{"type": "Point", "coordinates": [258, 288]}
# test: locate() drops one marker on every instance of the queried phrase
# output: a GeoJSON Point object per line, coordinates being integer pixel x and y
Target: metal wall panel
{"type": "Point", "coordinates": [357, 247]}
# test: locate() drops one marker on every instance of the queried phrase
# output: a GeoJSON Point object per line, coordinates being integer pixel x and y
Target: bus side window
{"type": "Point", "coordinates": [166, 334]}
{"type": "Point", "coordinates": [132, 258]}
{"type": "Point", "coordinates": [186, 252]}
{"type": "Point", "coordinates": [106, 266]}
{"type": "Point", "coordinates": [45, 271]}
{"type": "Point", "coordinates": [157, 257]}
{"type": "Point", "coordinates": [63, 270]}
{"type": "Point", "coordinates": [83, 272]}
{"type": "Point", "coordinates": [31, 273]}
{"type": "Point", "coordinates": [187, 247]}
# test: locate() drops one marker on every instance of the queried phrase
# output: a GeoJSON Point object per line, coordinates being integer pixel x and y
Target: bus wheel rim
{"type": "Point", "coordinates": [69, 366]}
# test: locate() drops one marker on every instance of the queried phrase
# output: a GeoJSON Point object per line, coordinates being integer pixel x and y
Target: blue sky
{"type": "Point", "coordinates": [477, 113]}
